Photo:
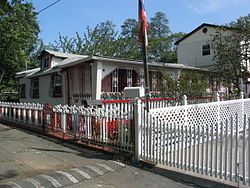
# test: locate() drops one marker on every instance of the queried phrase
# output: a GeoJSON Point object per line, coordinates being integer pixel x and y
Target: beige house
{"type": "Point", "coordinates": [71, 79]}
{"type": "Point", "coordinates": [194, 49]}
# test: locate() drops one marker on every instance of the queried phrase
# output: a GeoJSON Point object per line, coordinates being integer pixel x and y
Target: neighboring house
{"type": "Point", "coordinates": [71, 79]}
{"type": "Point", "coordinates": [194, 49]}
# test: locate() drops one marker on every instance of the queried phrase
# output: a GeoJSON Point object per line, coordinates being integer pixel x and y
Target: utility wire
{"type": "Point", "coordinates": [48, 6]}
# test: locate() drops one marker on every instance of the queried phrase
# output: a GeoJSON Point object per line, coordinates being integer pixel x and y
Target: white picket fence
{"type": "Point", "coordinates": [210, 139]}
{"type": "Point", "coordinates": [108, 126]}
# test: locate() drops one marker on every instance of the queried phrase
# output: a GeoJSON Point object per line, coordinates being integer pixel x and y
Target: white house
{"type": "Point", "coordinates": [71, 79]}
{"type": "Point", "coordinates": [194, 49]}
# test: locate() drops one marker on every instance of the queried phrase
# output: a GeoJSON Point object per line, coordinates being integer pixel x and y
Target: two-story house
{"type": "Point", "coordinates": [70, 79]}
{"type": "Point", "coordinates": [195, 49]}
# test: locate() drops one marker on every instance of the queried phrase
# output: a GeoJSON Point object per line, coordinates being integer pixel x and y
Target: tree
{"type": "Point", "coordinates": [18, 34]}
{"type": "Point", "coordinates": [102, 40]}
{"type": "Point", "coordinates": [191, 84]}
{"type": "Point", "coordinates": [231, 45]}
{"type": "Point", "coordinates": [130, 28]}
{"type": "Point", "coordinates": [158, 26]}
{"type": "Point", "coordinates": [161, 40]}
{"type": "Point", "coordinates": [105, 40]}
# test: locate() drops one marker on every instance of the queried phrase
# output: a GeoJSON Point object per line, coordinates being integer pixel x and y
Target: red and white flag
{"type": "Point", "coordinates": [143, 24]}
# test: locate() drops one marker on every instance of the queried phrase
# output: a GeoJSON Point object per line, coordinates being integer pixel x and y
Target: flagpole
{"type": "Point", "coordinates": [145, 64]}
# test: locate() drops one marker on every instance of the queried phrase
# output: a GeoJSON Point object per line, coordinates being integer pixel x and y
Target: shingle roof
{"type": "Point", "coordinates": [61, 54]}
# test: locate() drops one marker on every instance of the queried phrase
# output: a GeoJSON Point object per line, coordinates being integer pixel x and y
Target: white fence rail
{"type": "Point", "coordinates": [211, 139]}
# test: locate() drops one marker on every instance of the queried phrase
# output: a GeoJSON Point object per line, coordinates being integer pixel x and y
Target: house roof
{"type": "Point", "coordinates": [27, 72]}
{"type": "Point", "coordinates": [201, 26]}
{"type": "Point", "coordinates": [72, 59]}
{"type": "Point", "coordinates": [59, 54]}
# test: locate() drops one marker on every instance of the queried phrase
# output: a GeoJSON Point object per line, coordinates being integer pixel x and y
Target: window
{"type": "Point", "coordinates": [45, 62]}
{"type": "Point", "coordinates": [22, 93]}
{"type": "Point", "coordinates": [206, 49]}
{"type": "Point", "coordinates": [56, 86]}
{"type": "Point", "coordinates": [35, 88]}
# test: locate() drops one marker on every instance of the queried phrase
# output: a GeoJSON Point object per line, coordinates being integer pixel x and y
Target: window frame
{"type": "Point", "coordinates": [54, 85]}
{"type": "Point", "coordinates": [35, 88]}
{"type": "Point", "coordinates": [206, 49]}
{"type": "Point", "coordinates": [22, 91]}
{"type": "Point", "coordinates": [46, 62]}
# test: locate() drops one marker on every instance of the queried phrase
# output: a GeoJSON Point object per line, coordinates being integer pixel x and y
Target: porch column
{"type": "Point", "coordinates": [96, 81]}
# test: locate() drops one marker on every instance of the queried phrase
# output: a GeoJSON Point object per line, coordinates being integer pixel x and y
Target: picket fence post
{"type": "Point", "coordinates": [138, 128]}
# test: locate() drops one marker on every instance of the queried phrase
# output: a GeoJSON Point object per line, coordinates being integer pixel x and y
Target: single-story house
{"type": "Point", "coordinates": [70, 79]}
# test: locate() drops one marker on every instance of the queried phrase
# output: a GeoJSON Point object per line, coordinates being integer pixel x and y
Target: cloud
{"type": "Point", "coordinates": [211, 6]}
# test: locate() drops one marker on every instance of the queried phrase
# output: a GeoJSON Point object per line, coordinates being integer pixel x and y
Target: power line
{"type": "Point", "coordinates": [48, 6]}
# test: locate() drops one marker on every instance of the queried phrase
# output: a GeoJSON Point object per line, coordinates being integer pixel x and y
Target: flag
{"type": "Point", "coordinates": [143, 24]}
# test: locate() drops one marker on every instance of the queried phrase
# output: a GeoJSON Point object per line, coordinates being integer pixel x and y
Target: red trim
{"type": "Point", "coordinates": [159, 99]}
{"type": "Point", "coordinates": [199, 98]}
{"type": "Point", "coordinates": [156, 99]}
{"type": "Point", "coordinates": [115, 101]}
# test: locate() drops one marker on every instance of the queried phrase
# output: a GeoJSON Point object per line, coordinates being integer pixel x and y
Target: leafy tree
{"type": "Point", "coordinates": [102, 40]}
{"type": "Point", "coordinates": [130, 28]}
{"type": "Point", "coordinates": [159, 26]}
{"type": "Point", "coordinates": [231, 47]}
{"type": "Point", "coordinates": [18, 34]}
{"type": "Point", "coordinates": [161, 40]}
{"type": "Point", "coordinates": [105, 40]}
{"type": "Point", "coordinates": [191, 84]}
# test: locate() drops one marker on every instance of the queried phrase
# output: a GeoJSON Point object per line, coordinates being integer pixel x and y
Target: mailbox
{"type": "Point", "coordinates": [134, 92]}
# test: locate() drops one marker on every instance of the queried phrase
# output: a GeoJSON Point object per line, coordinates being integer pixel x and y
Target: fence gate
{"type": "Point", "coordinates": [48, 118]}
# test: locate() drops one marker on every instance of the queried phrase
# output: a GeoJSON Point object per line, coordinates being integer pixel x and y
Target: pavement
{"type": "Point", "coordinates": [29, 159]}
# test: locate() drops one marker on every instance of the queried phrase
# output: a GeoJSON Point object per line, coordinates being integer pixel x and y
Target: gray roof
{"type": "Point", "coordinates": [72, 59]}
{"type": "Point", "coordinates": [62, 55]}
{"type": "Point", "coordinates": [27, 72]}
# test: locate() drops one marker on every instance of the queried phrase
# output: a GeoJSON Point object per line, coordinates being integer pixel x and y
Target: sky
{"type": "Point", "coordinates": [70, 16]}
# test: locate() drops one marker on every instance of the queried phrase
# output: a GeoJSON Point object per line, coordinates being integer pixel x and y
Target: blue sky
{"type": "Point", "coordinates": [70, 16]}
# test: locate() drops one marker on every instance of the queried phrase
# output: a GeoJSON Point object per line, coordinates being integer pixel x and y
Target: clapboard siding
{"type": "Point", "coordinates": [189, 51]}
{"type": "Point", "coordinates": [44, 84]}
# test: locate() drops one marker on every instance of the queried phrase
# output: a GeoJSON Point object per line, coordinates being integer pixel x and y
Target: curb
{"type": "Point", "coordinates": [67, 177]}
{"type": "Point", "coordinates": [193, 178]}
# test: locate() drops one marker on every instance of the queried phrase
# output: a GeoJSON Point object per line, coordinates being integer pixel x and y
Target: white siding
{"type": "Point", "coordinates": [189, 51]}
{"type": "Point", "coordinates": [44, 84]}
{"type": "Point", "coordinates": [56, 60]}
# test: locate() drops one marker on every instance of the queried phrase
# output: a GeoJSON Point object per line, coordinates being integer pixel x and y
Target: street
{"type": "Point", "coordinates": [25, 155]}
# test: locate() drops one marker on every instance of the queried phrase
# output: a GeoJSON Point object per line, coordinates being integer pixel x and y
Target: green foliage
{"type": "Point", "coordinates": [190, 84]}
{"type": "Point", "coordinates": [18, 34]}
{"type": "Point", "coordinates": [231, 50]}
{"type": "Point", "coordinates": [105, 40]}
{"type": "Point", "coordinates": [158, 26]}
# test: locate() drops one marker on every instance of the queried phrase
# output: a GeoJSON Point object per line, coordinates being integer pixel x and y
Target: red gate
{"type": "Point", "coordinates": [48, 118]}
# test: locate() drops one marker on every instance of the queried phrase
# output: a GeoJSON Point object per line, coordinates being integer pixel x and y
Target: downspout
{"type": "Point", "coordinates": [63, 85]}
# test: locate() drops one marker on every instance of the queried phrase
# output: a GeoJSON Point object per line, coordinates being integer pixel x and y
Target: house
{"type": "Point", "coordinates": [70, 79]}
{"type": "Point", "coordinates": [194, 49]}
